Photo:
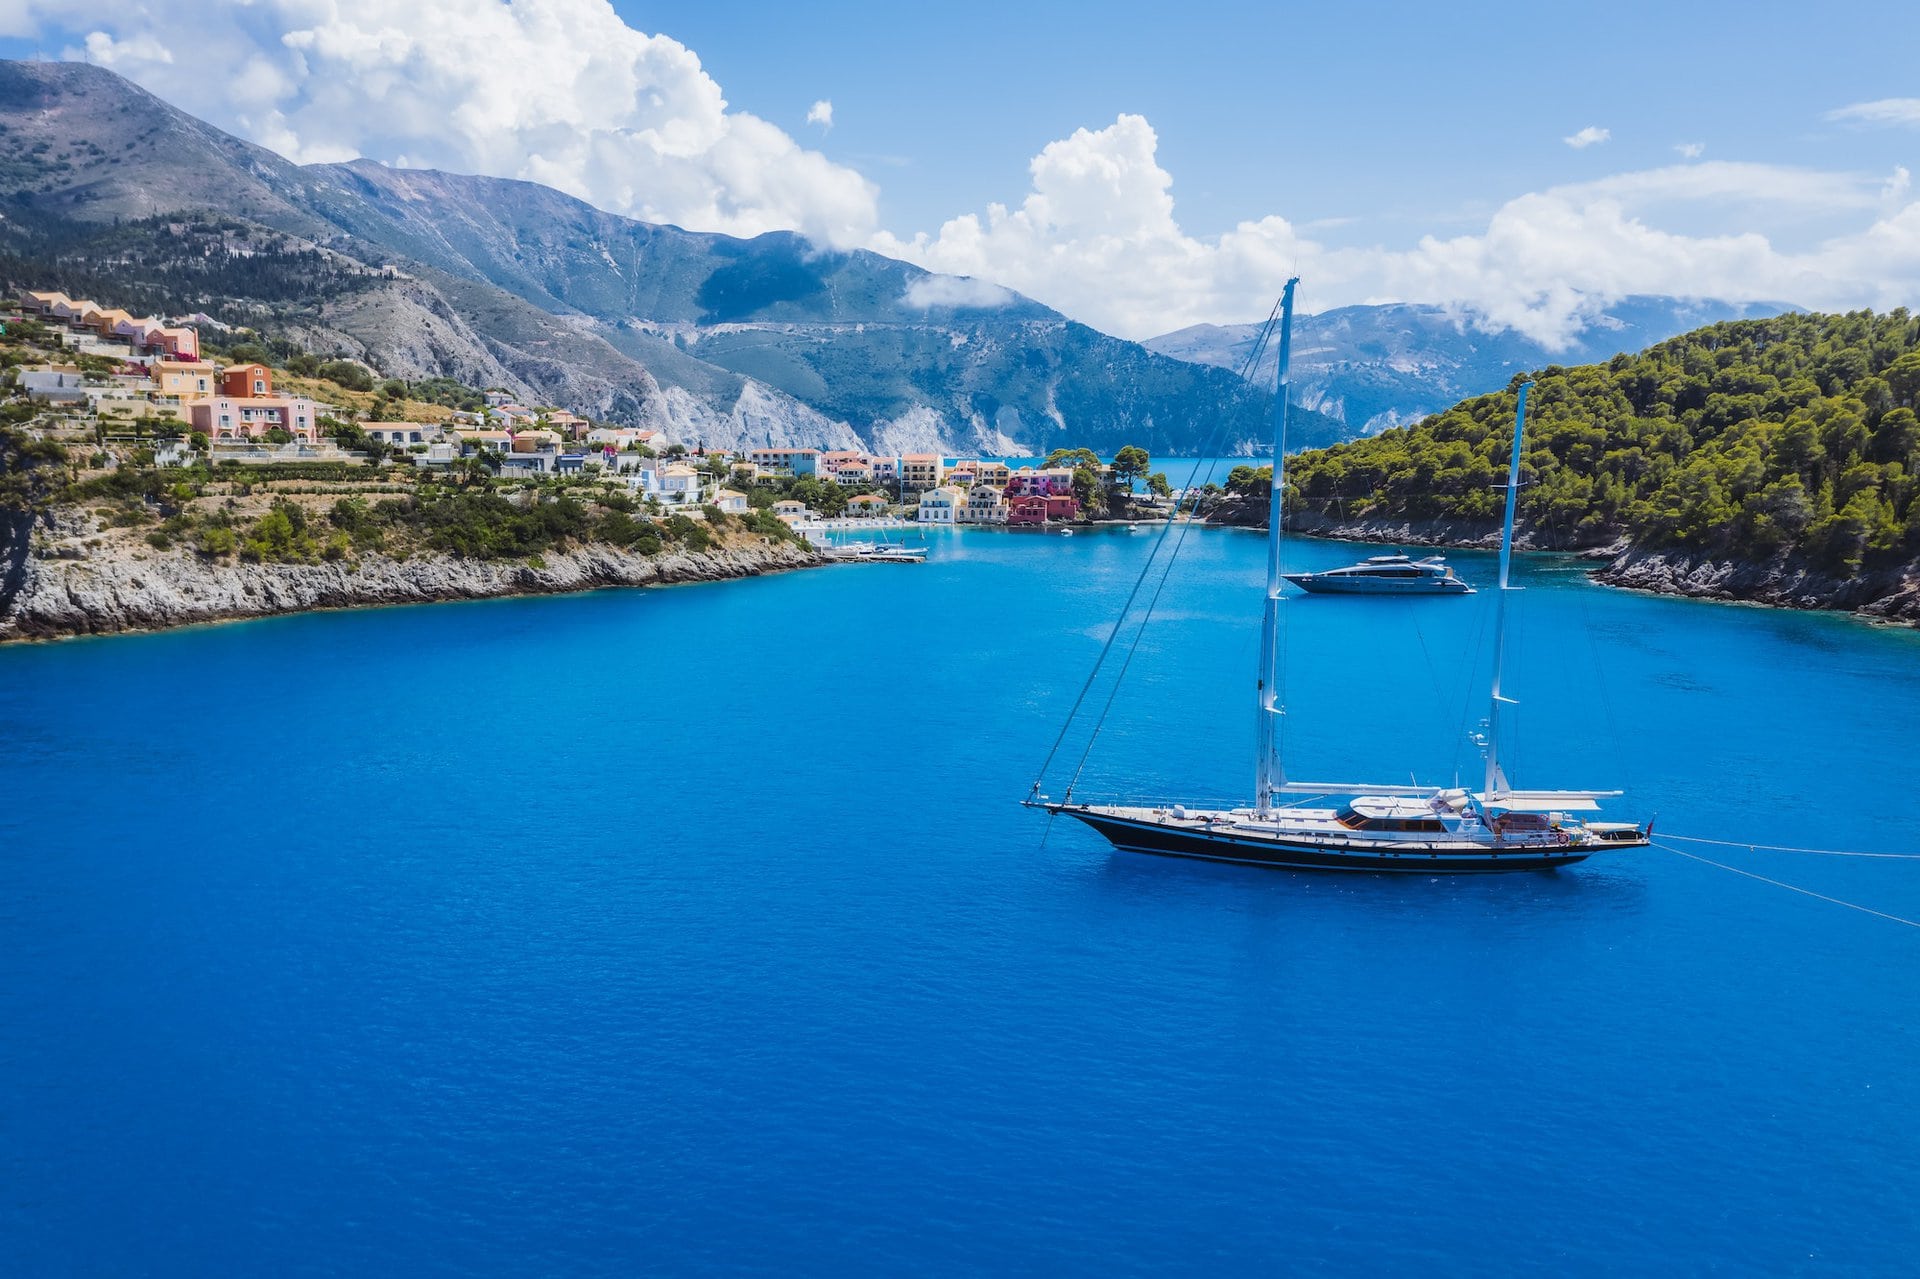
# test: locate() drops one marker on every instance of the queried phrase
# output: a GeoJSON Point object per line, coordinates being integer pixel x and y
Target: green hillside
{"type": "Point", "coordinates": [1794, 436]}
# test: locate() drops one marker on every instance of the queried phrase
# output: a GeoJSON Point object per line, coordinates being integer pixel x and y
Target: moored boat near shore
{"type": "Point", "coordinates": [1385, 575]}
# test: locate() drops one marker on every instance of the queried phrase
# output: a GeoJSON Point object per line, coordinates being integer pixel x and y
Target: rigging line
{"type": "Point", "coordinates": [1783, 848]}
{"type": "Point", "coordinates": [1146, 568]}
{"type": "Point", "coordinates": [1166, 571]}
{"type": "Point", "coordinates": [1118, 622]}
{"type": "Point", "coordinates": [1795, 888]}
{"type": "Point", "coordinates": [1132, 648]}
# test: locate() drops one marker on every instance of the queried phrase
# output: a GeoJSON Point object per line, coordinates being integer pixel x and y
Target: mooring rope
{"type": "Point", "coordinates": [1792, 888]}
{"type": "Point", "coordinates": [1783, 848]}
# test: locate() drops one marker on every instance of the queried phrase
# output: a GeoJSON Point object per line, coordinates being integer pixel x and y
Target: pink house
{"type": "Point", "coordinates": [1053, 482]}
{"type": "Point", "coordinates": [230, 417]}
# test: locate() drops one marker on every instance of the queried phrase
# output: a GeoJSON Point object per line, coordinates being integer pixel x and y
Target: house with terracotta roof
{"type": "Point", "coordinates": [866, 506]}
{"type": "Point", "coordinates": [984, 506]}
{"type": "Point", "coordinates": [233, 417]}
{"type": "Point", "coordinates": [184, 379]}
{"type": "Point", "coordinates": [942, 505]}
{"type": "Point", "coordinates": [921, 471]}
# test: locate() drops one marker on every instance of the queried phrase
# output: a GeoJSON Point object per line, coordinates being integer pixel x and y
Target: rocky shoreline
{"type": "Point", "coordinates": [1889, 595]}
{"type": "Point", "coordinates": [49, 598]}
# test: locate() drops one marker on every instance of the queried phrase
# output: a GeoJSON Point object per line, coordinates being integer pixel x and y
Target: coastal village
{"type": "Point", "coordinates": [136, 391]}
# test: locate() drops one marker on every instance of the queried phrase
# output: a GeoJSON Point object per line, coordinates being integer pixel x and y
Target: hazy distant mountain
{"type": "Point", "coordinates": [1377, 366]}
{"type": "Point", "coordinates": [718, 339]}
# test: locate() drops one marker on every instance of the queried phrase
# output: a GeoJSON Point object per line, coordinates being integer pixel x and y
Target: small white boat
{"type": "Point", "coordinates": [1385, 575]}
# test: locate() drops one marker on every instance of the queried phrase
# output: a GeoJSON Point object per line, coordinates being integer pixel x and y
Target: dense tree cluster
{"type": "Point", "coordinates": [1747, 438]}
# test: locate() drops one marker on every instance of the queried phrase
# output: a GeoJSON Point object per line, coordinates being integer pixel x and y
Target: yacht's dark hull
{"type": "Point", "coordinates": [1324, 584]}
{"type": "Point", "coordinates": [1228, 846]}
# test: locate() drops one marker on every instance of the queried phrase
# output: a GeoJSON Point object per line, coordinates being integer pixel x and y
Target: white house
{"type": "Point", "coordinates": [731, 502]}
{"type": "Point", "coordinates": [675, 484]}
{"type": "Point", "coordinates": [942, 505]}
{"type": "Point", "coordinates": [984, 506]}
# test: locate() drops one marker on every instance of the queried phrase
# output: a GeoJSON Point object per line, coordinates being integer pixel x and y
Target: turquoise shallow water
{"type": "Point", "coordinates": [700, 930]}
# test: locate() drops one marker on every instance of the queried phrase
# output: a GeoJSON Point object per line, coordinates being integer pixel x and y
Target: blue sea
{"type": "Point", "coordinates": [700, 930]}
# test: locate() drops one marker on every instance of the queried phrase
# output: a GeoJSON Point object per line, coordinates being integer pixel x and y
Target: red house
{"type": "Point", "coordinates": [1040, 510]}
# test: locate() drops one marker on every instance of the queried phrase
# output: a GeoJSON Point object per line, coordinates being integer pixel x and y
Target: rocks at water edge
{"type": "Point", "coordinates": [113, 592]}
{"type": "Point", "coordinates": [1891, 595]}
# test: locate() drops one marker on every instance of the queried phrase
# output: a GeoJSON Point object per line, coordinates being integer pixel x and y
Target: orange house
{"type": "Point", "coordinates": [246, 381]}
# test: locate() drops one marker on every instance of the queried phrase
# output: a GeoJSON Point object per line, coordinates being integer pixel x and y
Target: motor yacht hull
{"type": "Point", "coordinates": [1320, 584]}
{"type": "Point", "coordinates": [1222, 843]}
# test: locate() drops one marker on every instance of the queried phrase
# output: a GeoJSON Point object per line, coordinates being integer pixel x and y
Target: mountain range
{"type": "Point", "coordinates": [1371, 367]}
{"type": "Point", "coordinates": [715, 339]}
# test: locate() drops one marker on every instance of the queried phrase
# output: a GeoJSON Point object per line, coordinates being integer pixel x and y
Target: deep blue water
{"type": "Point", "coordinates": [699, 930]}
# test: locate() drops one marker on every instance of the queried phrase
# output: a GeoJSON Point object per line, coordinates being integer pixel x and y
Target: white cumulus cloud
{"type": "Point", "coordinates": [821, 113]}
{"type": "Point", "coordinates": [1587, 137]}
{"type": "Point", "coordinates": [1885, 111]}
{"type": "Point", "coordinates": [1096, 237]}
{"type": "Point", "coordinates": [562, 92]}
{"type": "Point", "coordinates": [955, 291]}
{"type": "Point", "coordinates": [1691, 150]}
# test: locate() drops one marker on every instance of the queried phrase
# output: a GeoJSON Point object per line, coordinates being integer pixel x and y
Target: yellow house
{"type": "Point", "coordinates": [920, 470]}
{"type": "Point", "coordinates": [186, 379]}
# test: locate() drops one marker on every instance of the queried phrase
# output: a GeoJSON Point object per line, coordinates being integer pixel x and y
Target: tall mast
{"type": "Point", "coordinates": [1268, 774]}
{"type": "Point", "coordinates": [1496, 776]}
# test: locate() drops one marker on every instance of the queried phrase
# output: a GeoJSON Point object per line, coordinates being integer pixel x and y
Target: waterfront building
{"type": "Point", "coordinates": [984, 506]}
{"type": "Point", "coordinates": [1033, 510]}
{"type": "Point", "coordinates": [994, 473]}
{"type": "Point", "coordinates": [1051, 482]}
{"type": "Point", "coordinates": [921, 471]}
{"type": "Point", "coordinates": [942, 505]}
{"type": "Point", "coordinates": [866, 506]}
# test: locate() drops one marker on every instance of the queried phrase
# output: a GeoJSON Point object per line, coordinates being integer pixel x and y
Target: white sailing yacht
{"type": "Point", "coordinates": [1344, 826]}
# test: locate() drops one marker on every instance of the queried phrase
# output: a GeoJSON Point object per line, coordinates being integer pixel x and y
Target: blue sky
{"type": "Point", "coordinates": [1140, 167]}
{"type": "Point", "coordinates": [1406, 118]}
